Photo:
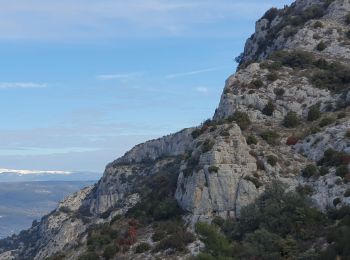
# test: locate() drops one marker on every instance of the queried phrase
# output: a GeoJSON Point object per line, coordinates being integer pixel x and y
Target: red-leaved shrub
{"type": "Point", "coordinates": [292, 140]}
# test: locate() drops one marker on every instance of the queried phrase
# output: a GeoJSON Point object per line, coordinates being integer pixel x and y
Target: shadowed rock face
{"type": "Point", "coordinates": [219, 168]}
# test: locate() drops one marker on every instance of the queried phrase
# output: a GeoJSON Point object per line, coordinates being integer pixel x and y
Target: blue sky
{"type": "Point", "coordinates": [82, 81]}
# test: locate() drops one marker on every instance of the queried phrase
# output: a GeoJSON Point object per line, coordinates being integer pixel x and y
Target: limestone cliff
{"type": "Point", "coordinates": [287, 104]}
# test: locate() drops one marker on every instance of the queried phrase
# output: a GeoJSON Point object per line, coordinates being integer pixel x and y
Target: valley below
{"type": "Point", "coordinates": [23, 202]}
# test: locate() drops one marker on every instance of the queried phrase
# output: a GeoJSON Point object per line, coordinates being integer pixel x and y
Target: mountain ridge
{"type": "Point", "coordinates": [283, 116]}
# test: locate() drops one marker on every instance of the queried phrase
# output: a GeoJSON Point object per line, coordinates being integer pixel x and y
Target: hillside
{"type": "Point", "coordinates": [270, 170]}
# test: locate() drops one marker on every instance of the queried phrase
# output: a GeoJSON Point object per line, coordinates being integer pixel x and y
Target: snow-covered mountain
{"type": "Point", "coordinates": [10, 175]}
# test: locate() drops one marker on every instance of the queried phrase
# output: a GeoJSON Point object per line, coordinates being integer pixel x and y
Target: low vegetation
{"type": "Point", "coordinates": [333, 76]}
{"type": "Point", "coordinates": [213, 169]}
{"type": "Point", "coordinates": [314, 113]}
{"type": "Point", "coordinates": [326, 121]}
{"type": "Point", "coordinates": [269, 108]}
{"type": "Point", "coordinates": [291, 120]}
{"type": "Point", "coordinates": [270, 136]}
{"type": "Point", "coordinates": [272, 160]}
{"type": "Point", "coordinates": [309, 171]}
{"type": "Point", "coordinates": [321, 46]}
{"type": "Point", "coordinates": [278, 226]}
{"type": "Point", "coordinates": [340, 160]}
{"type": "Point", "coordinates": [241, 118]}
{"type": "Point", "coordinates": [251, 139]}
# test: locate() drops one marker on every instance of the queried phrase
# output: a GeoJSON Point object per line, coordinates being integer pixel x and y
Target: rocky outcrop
{"type": "Point", "coordinates": [171, 145]}
{"type": "Point", "coordinates": [294, 28]}
{"type": "Point", "coordinates": [334, 137]}
{"type": "Point", "coordinates": [298, 94]}
{"type": "Point", "coordinates": [218, 186]}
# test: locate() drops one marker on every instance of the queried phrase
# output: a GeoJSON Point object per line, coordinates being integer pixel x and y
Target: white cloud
{"type": "Point", "coordinates": [203, 90]}
{"type": "Point", "coordinates": [8, 85]}
{"type": "Point", "coordinates": [191, 73]}
{"type": "Point", "coordinates": [126, 76]}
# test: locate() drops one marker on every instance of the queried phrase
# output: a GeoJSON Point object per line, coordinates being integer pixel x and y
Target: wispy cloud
{"type": "Point", "coordinates": [203, 90]}
{"type": "Point", "coordinates": [126, 76]}
{"type": "Point", "coordinates": [191, 73]}
{"type": "Point", "coordinates": [105, 19]}
{"type": "Point", "coordinates": [9, 85]}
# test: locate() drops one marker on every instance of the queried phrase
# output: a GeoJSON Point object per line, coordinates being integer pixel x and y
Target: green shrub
{"type": "Point", "coordinates": [207, 145]}
{"type": "Point", "coordinates": [347, 193]}
{"type": "Point", "coordinates": [257, 83]}
{"type": "Point", "coordinates": [89, 256]}
{"type": "Point", "coordinates": [272, 76]}
{"type": "Point", "coordinates": [158, 235]}
{"type": "Point", "coordinates": [290, 31]}
{"type": "Point", "coordinates": [309, 171]}
{"type": "Point", "coordinates": [204, 127]}
{"type": "Point", "coordinates": [294, 59]}
{"type": "Point", "coordinates": [347, 134]}
{"type": "Point", "coordinates": [166, 209]}
{"type": "Point", "coordinates": [291, 120]}
{"type": "Point", "coordinates": [318, 24]}
{"type": "Point", "coordinates": [347, 18]}
{"type": "Point", "coordinates": [271, 137]}
{"type": "Point", "coordinates": [272, 160]}
{"type": "Point", "coordinates": [326, 121]}
{"type": "Point", "coordinates": [65, 209]}
{"type": "Point", "coordinates": [196, 133]}
{"type": "Point", "coordinates": [279, 91]}
{"type": "Point", "coordinates": [241, 118]}
{"type": "Point", "coordinates": [269, 109]}
{"type": "Point", "coordinates": [305, 190]}
{"type": "Point", "coordinates": [192, 165]}
{"type": "Point", "coordinates": [336, 201]}
{"type": "Point", "coordinates": [217, 245]}
{"type": "Point", "coordinates": [272, 66]}
{"type": "Point", "coordinates": [271, 14]}
{"type": "Point", "coordinates": [348, 34]}
{"type": "Point", "coordinates": [341, 115]}
{"type": "Point", "coordinates": [177, 239]}
{"type": "Point", "coordinates": [212, 169]}
{"type": "Point", "coordinates": [332, 157]}
{"type": "Point", "coordinates": [262, 243]}
{"type": "Point", "coordinates": [321, 46]}
{"type": "Point", "coordinates": [254, 180]}
{"type": "Point", "coordinates": [324, 170]}
{"type": "Point", "coordinates": [251, 139]}
{"type": "Point", "coordinates": [219, 221]}
{"type": "Point", "coordinates": [314, 113]}
{"type": "Point", "coordinates": [110, 252]}
{"type": "Point", "coordinates": [143, 247]}
{"type": "Point", "coordinates": [332, 76]}
{"type": "Point", "coordinates": [225, 133]}
{"type": "Point", "coordinates": [57, 256]}
{"type": "Point", "coordinates": [342, 170]}
{"type": "Point", "coordinates": [313, 12]}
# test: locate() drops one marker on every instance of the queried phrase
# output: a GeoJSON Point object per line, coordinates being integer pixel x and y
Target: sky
{"type": "Point", "coordinates": [83, 81]}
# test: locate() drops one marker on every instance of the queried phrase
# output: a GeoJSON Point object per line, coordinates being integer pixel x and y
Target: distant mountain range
{"type": "Point", "coordinates": [9, 175]}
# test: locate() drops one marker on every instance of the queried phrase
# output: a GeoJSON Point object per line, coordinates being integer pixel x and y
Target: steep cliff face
{"type": "Point", "coordinates": [294, 28]}
{"type": "Point", "coordinates": [282, 111]}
